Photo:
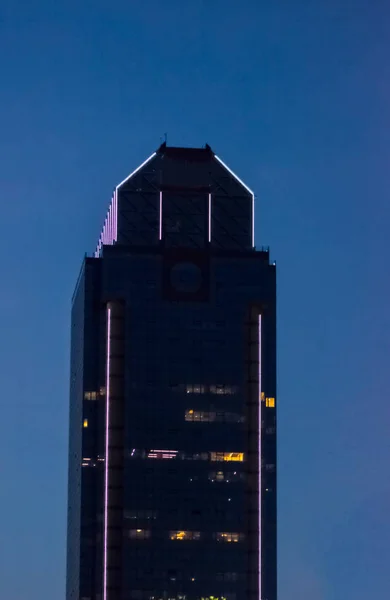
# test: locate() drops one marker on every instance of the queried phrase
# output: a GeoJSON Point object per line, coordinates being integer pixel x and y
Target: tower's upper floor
{"type": "Point", "coordinates": [181, 197]}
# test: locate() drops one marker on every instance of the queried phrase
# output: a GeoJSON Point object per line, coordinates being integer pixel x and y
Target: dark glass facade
{"type": "Point", "coordinates": [172, 457]}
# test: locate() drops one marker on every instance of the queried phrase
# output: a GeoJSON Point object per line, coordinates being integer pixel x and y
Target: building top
{"type": "Point", "coordinates": [181, 197]}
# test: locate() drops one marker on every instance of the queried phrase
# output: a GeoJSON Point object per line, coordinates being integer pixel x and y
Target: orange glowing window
{"type": "Point", "coordinates": [270, 402]}
{"type": "Point", "coordinates": [225, 536]}
{"type": "Point", "coordinates": [184, 535]}
{"type": "Point", "coordinates": [85, 423]}
{"type": "Point", "coordinates": [227, 456]}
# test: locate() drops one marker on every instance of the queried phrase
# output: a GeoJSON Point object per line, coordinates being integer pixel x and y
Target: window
{"type": "Point", "coordinates": [166, 454]}
{"type": "Point", "coordinates": [139, 534]}
{"type": "Point", "coordinates": [228, 576]}
{"type": "Point", "coordinates": [225, 476]}
{"type": "Point", "coordinates": [141, 514]}
{"type": "Point", "coordinates": [212, 416]}
{"type": "Point", "coordinates": [85, 423]}
{"type": "Point", "coordinates": [179, 455]}
{"type": "Point", "coordinates": [222, 389]}
{"type": "Point", "coordinates": [225, 536]}
{"type": "Point", "coordinates": [184, 535]}
{"type": "Point", "coordinates": [200, 388]}
{"type": "Point", "coordinates": [227, 456]}
{"type": "Point", "coordinates": [90, 395]}
{"type": "Point", "coordinates": [270, 402]}
{"type": "Point", "coordinates": [195, 388]}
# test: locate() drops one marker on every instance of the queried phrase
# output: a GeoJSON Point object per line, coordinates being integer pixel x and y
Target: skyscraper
{"type": "Point", "coordinates": [172, 452]}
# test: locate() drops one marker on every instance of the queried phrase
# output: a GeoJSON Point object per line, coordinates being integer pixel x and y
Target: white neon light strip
{"type": "Point", "coordinates": [109, 233]}
{"type": "Point", "coordinates": [136, 170]}
{"type": "Point", "coordinates": [260, 489]}
{"type": "Point", "coordinates": [209, 217]}
{"type": "Point", "coordinates": [115, 216]}
{"type": "Point", "coordinates": [160, 219]}
{"type": "Point", "coordinates": [253, 220]}
{"type": "Point", "coordinates": [105, 549]}
{"type": "Point", "coordinates": [248, 190]}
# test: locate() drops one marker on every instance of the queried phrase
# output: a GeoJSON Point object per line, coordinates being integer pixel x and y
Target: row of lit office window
{"type": "Point", "coordinates": [200, 388]}
{"type": "Point", "coordinates": [180, 535]}
{"type": "Point", "coordinates": [212, 416]}
{"type": "Point", "coordinates": [203, 416]}
{"type": "Point", "coordinates": [193, 388]}
{"type": "Point", "coordinates": [188, 388]}
{"type": "Point", "coordinates": [95, 395]}
{"type": "Point", "coordinates": [176, 455]}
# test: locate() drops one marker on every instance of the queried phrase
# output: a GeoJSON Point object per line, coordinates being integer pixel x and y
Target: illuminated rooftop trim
{"type": "Point", "coordinates": [109, 233]}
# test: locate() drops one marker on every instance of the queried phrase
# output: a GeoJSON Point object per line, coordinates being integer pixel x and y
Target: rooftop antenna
{"type": "Point", "coordinates": [166, 138]}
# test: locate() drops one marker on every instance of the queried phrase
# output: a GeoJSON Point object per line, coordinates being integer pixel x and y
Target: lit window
{"type": "Point", "coordinates": [224, 536]}
{"type": "Point", "coordinates": [164, 454]}
{"type": "Point", "coordinates": [139, 534]}
{"type": "Point", "coordinates": [270, 402]}
{"type": "Point", "coordinates": [222, 389]}
{"type": "Point", "coordinates": [85, 423]}
{"type": "Point", "coordinates": [195, 388]}
{"type": "Point", "coordinates": [184, 535]}
{"type": "Point", "coordinates": [227, 456]}
{"type": "Point", "coordinates": [212, 416]}
{"type": "Point", "coordinates": [90, 395]}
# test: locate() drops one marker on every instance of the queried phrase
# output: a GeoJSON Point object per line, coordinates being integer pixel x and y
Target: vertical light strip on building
{"type": "Point", "coordinates": [110, 228]}
{"type": "Point", "coordinates": [105, 541]}
{"type": "Point", "coordinates": [253, 220]}
{"type": "Point", "coordinates": [260, 490]}
{"type": "Point", "coordinates": [115, 216]}
{"type": "Point", "coordinates": [160, 219]}
{"type": "Point", "coordinates": [209, 232]}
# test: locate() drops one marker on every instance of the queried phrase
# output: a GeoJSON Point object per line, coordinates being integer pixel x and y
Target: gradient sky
{"type": "Point", "coordinates": [294, 96]}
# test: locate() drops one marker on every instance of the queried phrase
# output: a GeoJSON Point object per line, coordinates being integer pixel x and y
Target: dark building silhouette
{"type": "Point", "coordinates": [172, 455]}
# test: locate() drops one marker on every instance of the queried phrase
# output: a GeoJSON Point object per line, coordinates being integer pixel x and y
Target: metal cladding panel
{"type": "Point", "coordinates": [138, 207]}
{"type": "Point", "coordinates": [231, 222]}
{"type": "Point", "coordinates": [183, 197]}
{"type": "Point", "coordinates": [185, 219]}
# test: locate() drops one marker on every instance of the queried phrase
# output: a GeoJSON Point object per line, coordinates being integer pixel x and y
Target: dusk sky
{"type": "Point", "coordinates": [294, 95]}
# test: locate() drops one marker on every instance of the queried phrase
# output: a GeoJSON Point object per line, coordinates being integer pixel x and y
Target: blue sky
{"type": "Point", "coordinates": [294, 96]}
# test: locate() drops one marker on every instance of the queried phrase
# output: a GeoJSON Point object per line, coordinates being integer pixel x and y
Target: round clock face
{"type": "Point", "coordinates": [186, 277]}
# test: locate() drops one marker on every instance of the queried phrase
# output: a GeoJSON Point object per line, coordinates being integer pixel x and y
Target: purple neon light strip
{"type": "Point", "coordinates": [105, 548]}
{"type": "Point", "coordinates": [253, 220]}
{"type": "Point", "coordinates": [109, 233]}
{"type": "Point", "coordinates": [111, 228]}
{"type": "Point", "coordinates": [160, 219]}
{"type": "Point", "coordinates": [209, 232]}
{"type": "Point", "coordinates": [115, 217]}
{"type": "Point", "coordinates": [260, 489]}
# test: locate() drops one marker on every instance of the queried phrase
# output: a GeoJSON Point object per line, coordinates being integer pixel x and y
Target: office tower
{"type": "Point", "coordinates": [172, 457]}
